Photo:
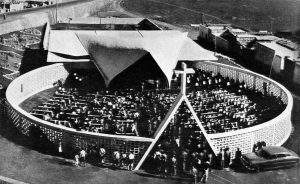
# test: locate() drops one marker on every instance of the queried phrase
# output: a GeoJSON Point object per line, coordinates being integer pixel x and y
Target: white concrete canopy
{"type": "Point", "coordinates": [114, 51]}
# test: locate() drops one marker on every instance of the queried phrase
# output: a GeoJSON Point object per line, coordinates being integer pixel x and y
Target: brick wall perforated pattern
{"type": "Point", "coordinates": [273, 132]}
{"type": "Point", "coordinates": [226, 72]}
{"type": "Point", "coordinates": [284, 98]}
{"type": "Point", "coordinates": [247, 79]}
{"type": "Point", "coordinates": [265, 134]}
{"type": "Point", "coordinates": [280, 131]}
{"type": "Point", "coordinates": [259, 84]}
{"type": "Point", "coordinates": [53, 135]}
{"type": "Point", "coordinates": [111, 145]}
{"type": "Point", "coordinates": [242, 141]}
{"type": "Point", "coordinates": [275, 90]}
{"type": "Point", "coordinates": [211, 68]}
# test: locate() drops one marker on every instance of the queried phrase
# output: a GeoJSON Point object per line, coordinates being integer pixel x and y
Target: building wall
{"type": "Point", "coordinates": [288, 72]}
{"type": "Point", "coordinates": [204, 32]}
{"type": "Point", "coordinates": [40, 16]}
{"type": "Point", "coordinates": [264, 54]}
{"type": "Point", "coordinates": [17, 6]}
{"type": "Point", "coordinates": [221, 44]}
{"type": "Point", "coordinates": [277, 65]}
{"type": "Point", "coordinates": [296, 74]}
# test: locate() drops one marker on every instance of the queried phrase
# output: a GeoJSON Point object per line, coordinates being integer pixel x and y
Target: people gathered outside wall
{"type": "Point", "coordinates": [221, 104]}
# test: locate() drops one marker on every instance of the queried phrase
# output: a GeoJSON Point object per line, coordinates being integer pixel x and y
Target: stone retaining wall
{"type": "Point", "coordinates": [36, 17]}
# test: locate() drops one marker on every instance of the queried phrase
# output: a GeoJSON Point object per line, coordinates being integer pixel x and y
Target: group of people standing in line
{"type": "Point", "coordinates": [102, 157]}
{"type": "Point", "coordinates": [184, 163]}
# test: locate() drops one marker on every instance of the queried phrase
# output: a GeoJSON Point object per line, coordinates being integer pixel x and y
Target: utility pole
{"type": "Point", "coordinates": [56, 12]}
{"type": "Point", "coordinates": [215, 44]}
{"type": "Point", "coordinates": [271, 23]}
{"type": "Point", "coordinates": [99, 15]}
{"type": "Point", "coordinates": [202, 19]}
{"type": "Point", "coordinates": [69, 22]}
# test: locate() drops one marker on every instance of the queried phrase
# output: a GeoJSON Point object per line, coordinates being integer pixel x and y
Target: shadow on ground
{"type": "Point", "coordinates": [36, 140]}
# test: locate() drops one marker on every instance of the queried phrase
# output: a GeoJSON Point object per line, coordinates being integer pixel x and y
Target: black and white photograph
{"type": "Point", "coordinates": [149, 91]}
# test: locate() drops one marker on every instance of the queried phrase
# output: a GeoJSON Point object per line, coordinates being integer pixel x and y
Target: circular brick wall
{"type": "Point", "coordinates": [273, 132]}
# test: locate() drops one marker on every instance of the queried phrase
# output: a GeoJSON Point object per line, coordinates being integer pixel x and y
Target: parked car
{"type": "Point", "coordinates": [270, 157]}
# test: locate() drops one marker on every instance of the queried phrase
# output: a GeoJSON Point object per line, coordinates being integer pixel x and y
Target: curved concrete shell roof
{"type": "Point", "coordinates": [114, 51]}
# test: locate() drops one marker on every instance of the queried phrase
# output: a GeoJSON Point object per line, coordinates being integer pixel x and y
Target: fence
{"type": "Point", "coordinates": [41, 79]}
{"type": "Point", "coordinates": [273, 132]}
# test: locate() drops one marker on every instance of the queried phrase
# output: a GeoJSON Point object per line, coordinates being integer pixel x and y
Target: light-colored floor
{"type": "Point", "coordinates": [37, 99]}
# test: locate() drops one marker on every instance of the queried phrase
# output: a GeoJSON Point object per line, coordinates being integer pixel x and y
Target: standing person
{"type": "Point", "coordinates": [210, 160]}
{"type": "Point", "coordinates": [60, 151]}
{"type": "Point", "coordinates": [192, 160]}
{"type": "Point", "coordinates": [201, 156]}
{"type": "Point", "coordinates": [116, 156]}
{"type": "Point", "coordinates": [237, 158]}
{"type": "Point", "coordinates": [124, 161]}
{"type": "Point", "coordinates": [134, 128]}
{"type": "Point", "coordinates": [157, 160]}
{"type": "Point", "coordinates": [177, 141]}
{"type": "Point", "coordinates": [195, 173]}
{"type": "Point", "coordinates": [254, 148]}
{"type": "Point", "coordinates": [174, 164]}
{"type": "Point", "coordinates": [165, 164]}
{"type": "Point", "coordinates": [184, 160]}
{"type": "Point", "coordinates": [102, 153]}
{"type": "Point", "coordinates": [131, 158]}
{"type": "Point", "coordinates": [205, 169]}
{"type": "Point", "coordinates": [142, 86]}
{"type": "Point", "coordinates": [221, 158]}
{"type": "Point", "coordinates": [82, 156]}
{"type": "Point", "coordinates": [238, 153]}
{"type": "Point", "coordinates": [227, 158]}
{"type": "Point", "coordinates": [76, 158]}
{"type": "Point", "coordinates": [156, 84]}
{"type": "Point", "coordinates": [259, 145]}
{"type": "Point", "coordinates": [198, 165]}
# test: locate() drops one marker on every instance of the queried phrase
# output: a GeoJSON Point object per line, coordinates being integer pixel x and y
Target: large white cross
{"type": "Point", "coordinates": [183, 73]}
{"type": "Point", "coordinates": [178, 101]}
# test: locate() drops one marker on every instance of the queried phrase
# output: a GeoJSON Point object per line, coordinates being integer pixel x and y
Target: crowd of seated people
{"type": "Point", "coordinates": [121, 112]}
{"type": "Point", "coordinates": [224, 105]}
{"type": "Point", "coordinates": [221, 104]}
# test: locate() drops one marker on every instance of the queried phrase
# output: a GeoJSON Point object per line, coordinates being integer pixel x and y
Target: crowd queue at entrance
{"type": "Point", "coordinates": [221, 104]}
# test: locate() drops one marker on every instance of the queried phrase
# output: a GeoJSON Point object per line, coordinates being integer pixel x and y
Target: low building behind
{"type": "Point", "coordinates": [273, 54]}
{"type": "Point", "coordinates": [11, 6]}
{"type": "Point", "coordinates": [210, 33]}
{"type": "Point", "coordinates": [109, 23]}
{"type": "Point", "coordinates": [225, 38]}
